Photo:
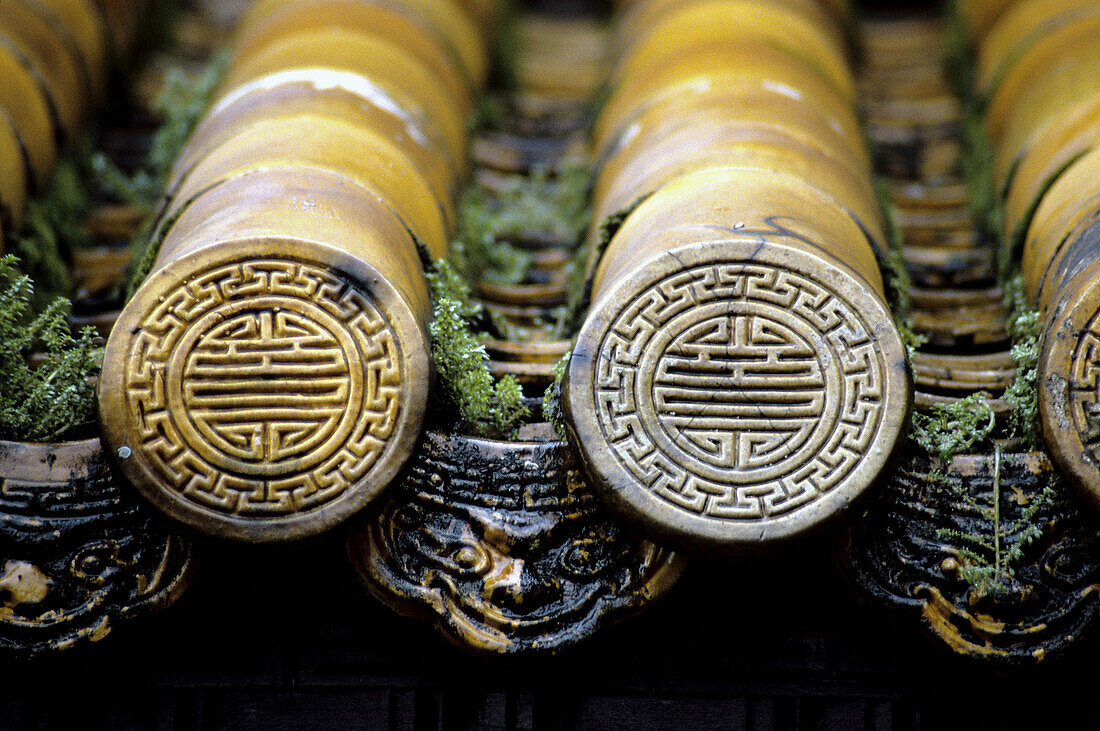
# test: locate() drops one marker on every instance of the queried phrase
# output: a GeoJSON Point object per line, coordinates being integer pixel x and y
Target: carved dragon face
{"type": "Point", "coordinates": [922, 541]}
{"type": "Point", "coordinates": [1051, 597]}
{"type": "Point", "coordinates": [520, 574]}
{"type": "Point", "coordinates": [61, 575]}
{"type": "Point", "coordinates": [76, 554]}
{"type": "Point", "coordinates": [508, 577]}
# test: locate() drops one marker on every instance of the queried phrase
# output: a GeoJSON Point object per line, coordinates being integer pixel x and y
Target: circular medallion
{"type": "Point", "coordinates": [263, 398]}
{"type": "Point", "coordinates": [1069, 382]}
{"type": "Point", "coordinates": [727, 394]}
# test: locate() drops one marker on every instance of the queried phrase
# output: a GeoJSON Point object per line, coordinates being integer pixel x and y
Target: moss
{"type": "Point", "coordinates": [583, 264]}
{"type": "Point", "coordinates": [989, 558]}
{"type": "Point", "coordinates": [910, 338]}
{"type": "Point", "coordinates": [483, 406]}
{"type": "Point", "coordinates": [53, 226]}
{"type": "Point", "coordinates": [181, 103]}
{"type": "Point", "coordinates": [499, 326]}
{"type": "Point", "coordinates": [38, 246]}
{"type": "Point", "coordinates": [43, 403]}
{"type": "Point", "coordinates": [551, 398]}
{"type": "Point", "coordinates": [950, 429]}
{"type": "Point", "coordinates": [139, 188]}
{"type": "Point", "coordinates": [1023, 325]}
{"type": "Point", "coordinates": [989, 561]}
{"type": "Point", "coordinates": [476, 253]}
{"type": "Point", "coordinates": [550, 201]}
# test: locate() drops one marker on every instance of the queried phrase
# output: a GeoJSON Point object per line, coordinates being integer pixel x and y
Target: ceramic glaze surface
{"type": "Point", "coordinates": [740, 390]}
{"type": "Point", "coordinates": [262, 392]}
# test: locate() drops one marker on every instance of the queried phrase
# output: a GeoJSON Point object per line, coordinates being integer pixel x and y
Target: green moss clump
{"type": "Point", "coordinates": [38, 245]}
{"type": "Point", "coordinates": [485, 407]}
{"type": "Point", "coordinates": [989, 561]}
{"type": "Point", "coordinates": [43, 403]}
{"type": "Point", "coordinates": [139, 188]}
{"type": "Point", "coordinates": [53, 226]}
{"type": "Point", "coordinates": [476, 253]}
{"type": "Point", "coordinates": [181, 103]}
{"type": "Point", "coordinates": [910, 338]}
{"type": "Point", "coordinates": [551, 398]}
{"type": "Point", "coordinates": [950, 429]}
{"type": "Point", "coordinates": [1023, 393]}
{"type": "Point", "coordinates": [549, 201]}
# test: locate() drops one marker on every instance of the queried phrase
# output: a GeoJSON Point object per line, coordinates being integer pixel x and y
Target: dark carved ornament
{"type": "Point", "coordinates": [995, 554]}
{"type": "Point", "coordinates": [505, 548]}
{"type": "Point", "coordinates": [78, 552]}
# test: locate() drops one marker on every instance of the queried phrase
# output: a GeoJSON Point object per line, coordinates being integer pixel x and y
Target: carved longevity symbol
{"type": "Point", "coordinates": [739, 391]}
{"type": "Point", "coordinates": [1085, 387]}
{"type": "Point", "coordinates": [264, 388]}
